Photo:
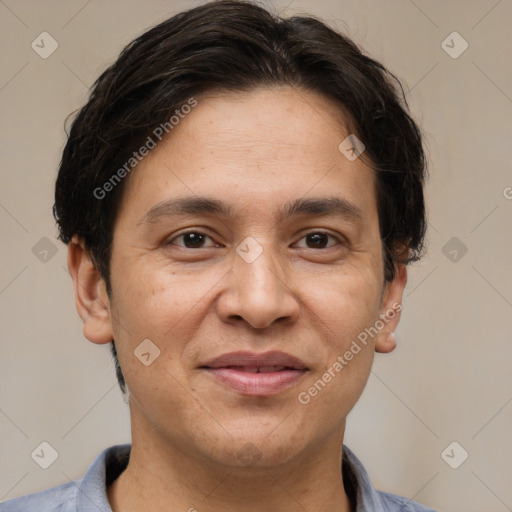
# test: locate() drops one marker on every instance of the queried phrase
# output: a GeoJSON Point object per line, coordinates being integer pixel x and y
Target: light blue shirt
{"type": "Point", "coordinates": [89, 494]}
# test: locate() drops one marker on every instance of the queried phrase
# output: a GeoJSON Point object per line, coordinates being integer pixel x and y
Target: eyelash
{"type": "Point", "coordinates": [170, 242]}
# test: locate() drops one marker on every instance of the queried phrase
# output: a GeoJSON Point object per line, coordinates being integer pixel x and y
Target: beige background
{"type": "Point", "coordinates": [450, 378]}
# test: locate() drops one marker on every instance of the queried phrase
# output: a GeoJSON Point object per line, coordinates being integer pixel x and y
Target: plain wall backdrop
{"type": "Point", "coordinates": [450, 378]}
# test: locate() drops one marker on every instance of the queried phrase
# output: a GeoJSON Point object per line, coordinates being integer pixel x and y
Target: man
{"type": "Point", "coordinates": [240, 197]}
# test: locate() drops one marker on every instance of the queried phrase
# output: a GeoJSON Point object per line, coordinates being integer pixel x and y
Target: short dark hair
{"type": "Point", "coordinates": [235, 45]}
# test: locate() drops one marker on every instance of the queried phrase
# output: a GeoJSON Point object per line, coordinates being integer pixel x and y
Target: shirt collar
{"type": "Point", "coordinates": [108, 465]}
{"type": "Point", "coordinates": [366, 497]}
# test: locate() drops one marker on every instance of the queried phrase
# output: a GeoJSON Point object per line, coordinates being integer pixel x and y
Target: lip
{"type": "Point", "coordinates": [256, 374]}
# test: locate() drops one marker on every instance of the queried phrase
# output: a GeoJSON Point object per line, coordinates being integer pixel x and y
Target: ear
{"type": "Point", "coordinates": [91, 298]}
{"type": "Point", "coordinates": [391, 308]}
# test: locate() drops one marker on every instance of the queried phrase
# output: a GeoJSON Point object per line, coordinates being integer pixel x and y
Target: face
{"type": "Point", "coordinates": [247, 250]}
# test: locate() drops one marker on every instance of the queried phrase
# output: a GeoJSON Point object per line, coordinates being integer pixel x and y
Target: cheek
{"type": "Point", "coordinates": [151, 309]}
{"type": "Point", "coordinates": [151, 297]}
{"type": "Point", "coordinates": [346, 304]}
{"type": "Point", "coordinates": [333, 390]}
{"type": "Point", "coordinates": [344, 309]}
{"type": "Point", "coordinates": [157, 303]}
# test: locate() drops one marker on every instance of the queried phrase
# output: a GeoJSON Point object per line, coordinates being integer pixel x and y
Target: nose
{"type": "Point", "coordinates": [260, 292]}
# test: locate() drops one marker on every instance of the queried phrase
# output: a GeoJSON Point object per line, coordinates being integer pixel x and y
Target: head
{"type": "Point", "coordinates": [235, 132]}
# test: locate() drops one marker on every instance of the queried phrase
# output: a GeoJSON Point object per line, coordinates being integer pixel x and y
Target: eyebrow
{"type": "Point", "coordinates": [194, 205]}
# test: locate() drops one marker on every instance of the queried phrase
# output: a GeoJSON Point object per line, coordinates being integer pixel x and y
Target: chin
{"type": "Point", "coordinates": [256, 447]}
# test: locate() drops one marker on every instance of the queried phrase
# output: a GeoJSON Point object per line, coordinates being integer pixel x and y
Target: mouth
{"type": "Point", "coordinates": [256, 374]}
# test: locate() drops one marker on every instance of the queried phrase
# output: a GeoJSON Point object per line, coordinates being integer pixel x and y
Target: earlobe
{"type": "Point", "coordinates": [391, 309]}
{"type": "Point", "coordinates": [91, 298]}
{"type": "Point", "coordinates": [385, 343]}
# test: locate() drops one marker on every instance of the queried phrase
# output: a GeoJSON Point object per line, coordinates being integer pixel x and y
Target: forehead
{"type": "Point", "coordinates": [266, 124]}
{"type": "Point", "coordinates": [258, 146]}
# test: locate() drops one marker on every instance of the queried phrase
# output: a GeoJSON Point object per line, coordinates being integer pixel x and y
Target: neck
{"type": "Point", "coordinates": [160, 474]}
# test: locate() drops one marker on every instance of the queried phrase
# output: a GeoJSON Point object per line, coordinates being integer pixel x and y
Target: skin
{"type": "Point", "coordinates": [257, 151]}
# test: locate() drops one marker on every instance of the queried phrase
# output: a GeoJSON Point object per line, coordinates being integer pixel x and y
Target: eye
{"type": "Point", "coordinates": [192, 240]}
{"type": "Point", "coordinates": [196, 240]}
{"type": "Point", "coordinates": [319, 240]}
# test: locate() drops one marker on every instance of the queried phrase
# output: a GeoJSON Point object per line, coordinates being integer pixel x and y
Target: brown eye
{"type": "Point", "coordinates": [319, 240]}
{"type": "Point", "coordinates": [191, 240]}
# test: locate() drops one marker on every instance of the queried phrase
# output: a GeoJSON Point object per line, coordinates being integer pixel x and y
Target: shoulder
{"type": "Point", "coordinates": [56, 499]}
{"type": "Point", "coordinates": [88, 494]}
{"type": "Point", "coordinates": [395, 503]}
